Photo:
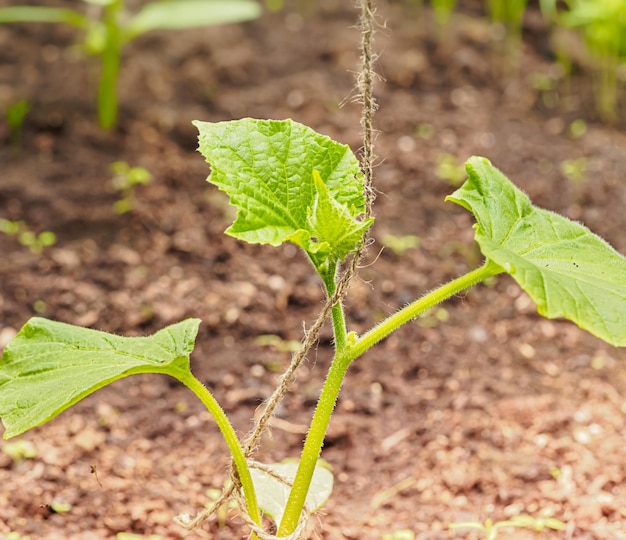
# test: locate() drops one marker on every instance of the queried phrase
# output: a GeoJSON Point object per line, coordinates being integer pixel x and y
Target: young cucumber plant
{"type": "Point", "coordinates": [109, 27]}
{"type": "Point", "coordinates": [509, 15]}
{"type": "Point", "coordinates": [291, 184]}
{"type": "Point", "coordinates": [602, 24]}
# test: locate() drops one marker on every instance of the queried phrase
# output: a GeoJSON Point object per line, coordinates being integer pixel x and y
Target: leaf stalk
{"type": "Point", "coordinates": [346, 351]}
{"type": "Point", "coordinates": [419, 306]}
{"type": "Point", "coordinates": [228, 432]}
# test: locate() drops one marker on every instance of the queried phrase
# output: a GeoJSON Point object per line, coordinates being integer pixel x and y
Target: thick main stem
{"type": "Point", "coordinates": [312, 447]}
{"type": "Point", "coordinates": [321, 418]}
{"type": "Point", "coordinates": [339, 322]}
{"type": "Point", "coordinates": [343, 357]}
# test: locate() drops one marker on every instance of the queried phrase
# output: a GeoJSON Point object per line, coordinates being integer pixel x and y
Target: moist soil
{"type": "Point", "coordinates": [481, 410]}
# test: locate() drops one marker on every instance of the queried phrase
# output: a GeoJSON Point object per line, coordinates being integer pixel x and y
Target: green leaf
{"type": "Point", "coordinates": [565, 268]}
{"type": "Point", "coordinates": [181, 14]}
{"type": "Point", "coordinates": [289, 183]}
{"type": "Point", "coordinates": [21, 14]}
{"type": "Point", "coordinates": [272, 493]}
{"type": "Point", "coordinates": [49, 366]}
{"type": "Point", "coordinates": [331, 230]}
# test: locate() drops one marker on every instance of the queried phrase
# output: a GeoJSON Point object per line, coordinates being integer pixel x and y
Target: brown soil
{"type": "Point", "coordinates": [494, 413]}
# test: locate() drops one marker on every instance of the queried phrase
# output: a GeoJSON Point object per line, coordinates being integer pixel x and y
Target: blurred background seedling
{"type": "Point", "coordinates": [433, 317]}
{"type": "Point", "coordinates": [39, 306]}
{"type": "Point", "coordinates": [577, 128]}
{"type": "Point", "coordinates": [226, 508]}
{"type": "Point", "coordinates": [575, 170]}
{"type": "Point", "coordinates": [60, 507]}
{"type": "Point", "coordinates": [19, 450]}
{"type": "Point", "coordinates": [442, 11]}
{"type": "Point", "coordinates": [450, 169]}
{"type": "Point", "coordinates": [424, 131]}
{"type": "Point", "coordinates": [125, 180]}
{"type": "Point", "coordinates": [548, 87]}
{"type": "Point", "coordinates": [25, 236]}
{"type": "Point", "coordinates": [274, 5]}
{"type": "Point", "coordinates": [587, 34]}
{"type": "Point", "coordinates": [507, 17]}
{"type": "Point", "coordinates": [15, 115]}
{"type": "Point", "coordinates": [107, 27]}
{"type": "Point", "coordinates": [602, 26]}
{"type": "Point", "coordinates": [490, 530]}
{"type": "Point", "coordinates": [400, 244]}
{"type": "Point", "coordinates": [13, 535]}
{"type": "Point", "coordinates": [280, 344]}
{"type": "Point", "coordinates": [382, 497]}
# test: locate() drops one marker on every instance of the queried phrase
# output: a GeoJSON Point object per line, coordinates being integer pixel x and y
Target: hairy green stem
{"type": "Point", "coordinates": [393, 322]}
{"type": "Point", "coordinates": [345, 353]}
{"type": "Point", "coordinates": [312, 447]}
{"type": "Point", "coordinates": [321, 418]}
{"type": "Point", "coordinates": [231, 439]}
{"type": "Point", "coordinates": [339, 321]}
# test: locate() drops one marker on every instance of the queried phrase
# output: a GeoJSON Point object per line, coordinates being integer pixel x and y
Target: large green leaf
{"type": "Point", "coordinates": [49, 366]}
{"type": "Point", "coordinates": [272, 493]}
{"type": "Point", "coordinates": [181, 14]}
{"type": "Point", "coordinates": [41, 14]}
{"type": "Point", "coordinates": [289, 183]}
{"type": "Point", "coordinates": [565, 268]}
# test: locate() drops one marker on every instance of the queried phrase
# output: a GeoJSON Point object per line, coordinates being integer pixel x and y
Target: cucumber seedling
{"type": "Point", "coordinates": [291, 184]}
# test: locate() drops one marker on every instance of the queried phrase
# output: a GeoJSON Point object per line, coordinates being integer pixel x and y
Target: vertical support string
{"type": "Point", "coordinates": [368, 103]}
{"type": "Point", "coordinates": [365, 84]}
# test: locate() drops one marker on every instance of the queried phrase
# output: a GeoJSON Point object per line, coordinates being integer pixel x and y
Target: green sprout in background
{"type": "Point", "coordinates": [15, 115]}
{"type": "Point", "coordinates": [577, 128]}
{"type": "Point", "coordinates": [599, 26]}
{"type": "Point", "coordinates": [274, 5]}
{"type": "Point", "coordinates": [507, 17]}
{"type": "Point", "coordinates": [25, 236]}
{"type": "Point", "coordinates": [450, 170]}
{"type": "Point", "coordinates": [442, 10]}
{"type": "Point", "coordinates": [491, 530]}
{"type": "Point", "coordinates": [13, 535]}
{"type": "Point", "coordinates": [575, 170]}
{"type": "Point", "coordinates": [424, 131]}
{"type": "Point", "coordinates": [112, 27]}
{"type": "Point", "coordinates": [602, 25]}
{"type": "Point", "coordinates": [19, 450]}
{"type": "Point", "coordinates": [125, 179]}
{"type": "Point", "coordinates": [400, 244]}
